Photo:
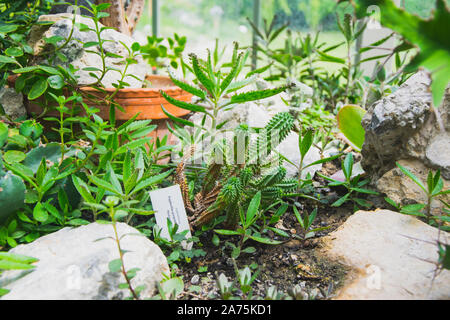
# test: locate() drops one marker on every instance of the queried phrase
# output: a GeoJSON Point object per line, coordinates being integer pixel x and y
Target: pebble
{"type": "Point", "coordinates": [195, 279]}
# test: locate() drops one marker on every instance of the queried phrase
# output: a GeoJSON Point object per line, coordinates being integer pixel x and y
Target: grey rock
{"type": "Point", "coordinates": [12, 103]}
{"type": "Point", "coordinates": [404, 190]}
{"type": "Point", "coordinates": [392, 122]}
{"type": "Point", "coordinates": [403, 127]}
{"type": "Point", "coordinates": [80, 57]}
{"type": "Point", "coordinates": [438, 153]}
{"type": "Point", "coordinates": [73, 265]}
{"type": "Point", "coordinates": [393, 256]}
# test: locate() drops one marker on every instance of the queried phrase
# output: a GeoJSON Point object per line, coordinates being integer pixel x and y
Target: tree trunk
{"type": "Point", "coordinates": [123, 17]}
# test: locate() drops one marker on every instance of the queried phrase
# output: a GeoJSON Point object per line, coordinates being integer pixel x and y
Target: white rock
{"type": "Point", "coordinates": [392, 256]}
{"type": "Point", "coordinates": [73, 265]}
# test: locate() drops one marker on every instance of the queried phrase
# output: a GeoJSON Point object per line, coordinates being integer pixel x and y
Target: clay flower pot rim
{"type": "Point", "coordinates": [145, 101]}
{"type": "Point", "coordinates": [131, 90]}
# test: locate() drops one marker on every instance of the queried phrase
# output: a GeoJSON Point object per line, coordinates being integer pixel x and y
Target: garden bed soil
{"type": "Point", "coordinates": [295, 262]}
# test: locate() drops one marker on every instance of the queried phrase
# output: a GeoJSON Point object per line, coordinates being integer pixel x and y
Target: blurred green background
{"type": "Point", "coordinates": [202, 21]}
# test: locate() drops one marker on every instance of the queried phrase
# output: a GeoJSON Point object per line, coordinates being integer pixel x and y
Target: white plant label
{"type": "Point", "coordinates": [168, 204]}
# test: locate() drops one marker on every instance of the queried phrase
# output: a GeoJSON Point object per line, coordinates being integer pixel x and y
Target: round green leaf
{"type": "Point", "coordinates": [39, 213]}
{"type": "Point", "coordinates": [349, 121]}
{"type": "Point", "coordinates": [115, 265]}
{"type": "Point", "coordinates": [56, 81]}
{"type": "Point", "coordinates": [13, 156]}
{"type": "Point", "coordinates": [14, 52]}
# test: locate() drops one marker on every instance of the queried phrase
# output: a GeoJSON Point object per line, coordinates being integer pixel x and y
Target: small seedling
{"type": "Point", "coordinates": [353, 185]}
{"type": "Point", "coordinates": [306, 222]}
{"type": "Point", "coordinates": [432, 189]}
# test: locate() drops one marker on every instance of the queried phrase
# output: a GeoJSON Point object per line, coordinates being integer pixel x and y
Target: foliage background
{"type": "Point", "coordinates": [196, 19]}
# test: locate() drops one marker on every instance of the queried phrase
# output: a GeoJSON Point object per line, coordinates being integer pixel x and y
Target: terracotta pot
{"type": "Point", "coordinates": [145, 101]}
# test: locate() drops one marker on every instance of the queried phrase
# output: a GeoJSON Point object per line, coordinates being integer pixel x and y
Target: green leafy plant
{"type": "Point", "coordinates": [177, 246]}
{"type": "Point", "coordinates": [159, 55]}
{"type": "Point", "coordinates": [239, 169]}
{"type": "Point", "coordinates": [353, 185]}
{"type": "Point", "coordinates": [12, 261]}
{"type": "Point", "coordinates": [215, 88]}
{"type": "Point", "coordinates": [118, 265]}
{"type": "Point", "coordinates": [170, 288]}
{"type": "Point", "coordinates": [88, 159]}
{"type": "Point", "coordinates": [429, 36]}
{"type": "Point", "coordinates": [244, 277]}
{"type": "Point", "coordinates": [306, 222]}
{"type": "Point", "coordinates": [432, 189]}
{"type": "Point", "coordinates": [245, 231]}
{"type": "Point", "coordinates": [305, 143]}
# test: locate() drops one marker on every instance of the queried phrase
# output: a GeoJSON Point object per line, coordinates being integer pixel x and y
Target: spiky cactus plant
{"type": "Point", "coordinates": [228, 186]}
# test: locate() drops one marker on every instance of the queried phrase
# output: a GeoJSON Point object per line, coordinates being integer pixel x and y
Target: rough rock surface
{"type": "Point", "coordinates": [74, 266]}
{"type": "Point", "coordinates": [403, 190]}
{"type": "Point", "coordinates": [402, 126]}
{"type": "Point", "coordinates": [80, 58]}
{"type": "Point", "coordinates": [12, 103]}
{"type": "Point", "coordinates": [392, 256]}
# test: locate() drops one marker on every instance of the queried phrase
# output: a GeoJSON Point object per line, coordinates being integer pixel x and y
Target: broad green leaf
{"type": "Point", "coordinates": [14, 257]}
{"type": "Point", "coordinates": [38, 89]}
{"type": "Point", "coordinates": [40, 213]}
{"type": "Point", "coordinates": [56, 81]}
{"type": "Point", "coordinates": [11, 265]}
{"type": "Point", "coordinates": [347, 166]}
{"type": "Point", "coordinates": [6, 28]}
{"type": "Point", "coordinates": [13, 156]}
{"type": "Point", "coordinates": [14, 52]}
{"type": "Point", "coordinates": [6, 59]}
{"type": "Point", "coordinates": [115, 265]}
{"type": "Point", "coordinates": [173, 286]}
{"type": "Point", "coordinates": [349, 121]}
